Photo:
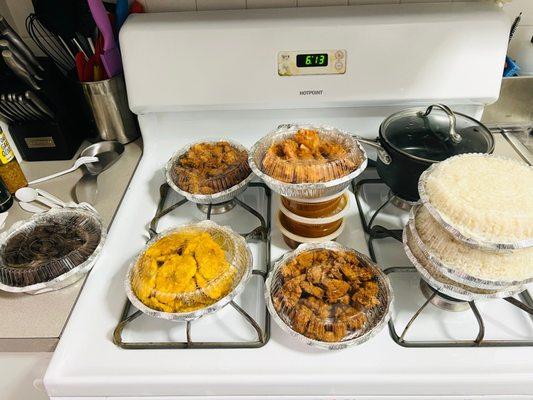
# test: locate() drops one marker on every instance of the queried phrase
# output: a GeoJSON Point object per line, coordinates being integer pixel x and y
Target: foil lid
{"type": "Point", "coordinates": [50, 250]}
{"type": "Point", "coordinates": [324, 178]}
{"type": "Point", "coordinates": [187, 272]}
{"type": "Point", "coordinates": [220, 181]}
{"type": "Point", "coordinates": [462, 233]}
{"type": "Point", "coordinates": [375, 316]}
{"type": "Point", "coordinates": [445, 285]}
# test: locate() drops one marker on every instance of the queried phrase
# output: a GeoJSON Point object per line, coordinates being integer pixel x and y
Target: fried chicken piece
{"type": "Point", "coordinates": [353, 318]}
{"type": "Point", "coordinates": [335, 288]}
{"type": "Point", "coordinates": [319, 307]}
{"type": "Point", "coordinates": [365, 274]}
{"type": "Point", "coordinates": [291, 270]}
{"type": "Point", "coordinates": [314, 274]}
{"type": "Point", "coordinates": [316, 328]}
{"type": "Point", "coordinates": [344, 299]}
{"type": "Point", "coordinates": [307, 138]}
{"type": "Point", "coordinates": [305, 260]}
{"type": "Point", "coordinates": [349, 271]}
{"type": "Point", "coordinates": [291, 291]}
{"type": "Point", "coordinates": [339, 330]}
{"type": "Point", "coordinates": [321, 257]}
{"type": "Point", "coordinates": [312, 289]}
{"type": "Point", "coordinates": [366, 295]}
{"type": "Point", "coordinates": [300, 318]}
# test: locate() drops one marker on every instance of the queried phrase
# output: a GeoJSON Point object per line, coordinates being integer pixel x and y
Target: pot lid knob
{"type": "Point", "coordinates": [454, 136]}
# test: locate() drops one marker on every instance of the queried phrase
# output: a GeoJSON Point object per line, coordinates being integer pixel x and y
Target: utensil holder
{"type": "Point", "coordinates": [108, 104]}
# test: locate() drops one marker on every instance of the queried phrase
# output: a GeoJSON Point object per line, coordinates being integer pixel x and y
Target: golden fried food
{"type": "Point", "coordinates": [326, 294]}
{"type": "Point", "coordinates": [208, 168]}
{"type": "Point", "coordinates": [183, 272]}
{"type": "Point", "coordinates": [302, 159]}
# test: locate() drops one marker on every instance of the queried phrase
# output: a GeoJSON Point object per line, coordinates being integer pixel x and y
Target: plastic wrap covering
{"type": "Point", "coordinates": [209, 172]}
{"type": "Point", "coordinates": [474, 267]}
{"type": "Point", "coordinates": [187, 272]}
{"type": "Point", "coordinates": [307, 161]}
{"type": "Point", "coordinates": [328, 296]}
{"type": "Point", "coordinates": [50, 250]}
{"type": "Point", "coordinates": [432, 275]}
{"type": "Point", "coordinates": [483, 200]}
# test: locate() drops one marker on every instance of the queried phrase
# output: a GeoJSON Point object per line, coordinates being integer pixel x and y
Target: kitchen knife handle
{"type": "Point", "coordinates": [8, 32]}
{"type": "Point", "coordinates": [37, 102]}
{"type": "Point", "coordinates": [18, 69]}
{"type": "Point", "coordinates": [6, 45]}
{"type": "Point", "coordinates": [102, 21]}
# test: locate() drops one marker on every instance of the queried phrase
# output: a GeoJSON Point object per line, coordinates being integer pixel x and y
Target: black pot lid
{"type": "Point", "coordinates": [435, 133]}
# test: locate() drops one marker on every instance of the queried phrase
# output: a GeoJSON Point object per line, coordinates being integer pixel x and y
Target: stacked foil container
{"type": "Point", "coordinates": [451, 280]}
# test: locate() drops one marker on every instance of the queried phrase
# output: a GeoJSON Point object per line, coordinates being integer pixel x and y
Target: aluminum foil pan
{"type": "Point", "coordinates": [30, 271]}
{"type": "Point", "coordinates": [304, 190]}
{"type": "Point", "coordinates": [473, 242]}
{"type": "Point", "coordinates": [236, 245]}
{"type": "Point", "coordinates": [215, 198]}
{"type": "Point", "coordinates": [453, 273]}
{"type": "Point", "coordinates": [442, 283]}
{"type": "Point", "coordinates": [377, 319]}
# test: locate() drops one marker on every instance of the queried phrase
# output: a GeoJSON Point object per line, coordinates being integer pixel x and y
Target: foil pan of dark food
{"type": "Point", "coordinates": [50, 251]}
{"type": "Point", "coordinates": [237, 254]}
{"type": "Point", "coordinates": [460, 234]}
{"type": "Point", "coordinates": [323, 186]}
{"type": "Point", "coordinates": [376, 317]}
{"type": "Point", "coordinates": [220, 181]}
{"type": "Point", "coordinates": [454, 273]}
{"type": "Point", "coordinates": [444, 284]}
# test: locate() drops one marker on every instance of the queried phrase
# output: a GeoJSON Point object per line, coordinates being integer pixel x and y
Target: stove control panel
{"type": "Point", "coordinates": [320, 62]}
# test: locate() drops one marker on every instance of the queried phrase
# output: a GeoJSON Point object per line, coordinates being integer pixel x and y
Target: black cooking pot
{"type": "Point", "coordinates": [413, 139]}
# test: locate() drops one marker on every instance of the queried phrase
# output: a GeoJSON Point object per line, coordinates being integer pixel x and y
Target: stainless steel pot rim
{"type": "Point", "coordinates": [449, 289]}
{"type": "Point", "coordinates": [68, 277]}
{"type": "Point", "coordinates": [456, 274]}
{"type": "Point", "coordinates": [215, 198]}
{"type": "Point", "coordinates": [384, 281]}
{"type": "Point", "coordinates": [306, 190]}
{"type": "Point", "coordinates": [191, 315]}
{"type": "Point", "coordinates": [471, 241]}
{"type": "Point", "coordinates": [414, 110]}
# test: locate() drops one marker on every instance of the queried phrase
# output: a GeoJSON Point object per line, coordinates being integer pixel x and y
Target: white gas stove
{"type": "Point", "coordinates": [236, 74]}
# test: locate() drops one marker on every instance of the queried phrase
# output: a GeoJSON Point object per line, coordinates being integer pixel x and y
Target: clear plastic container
{"type": "Point", "coordinates": [307, 210]}
{"type": "Point", "coordinates": [328, 296]}
{"type": "Point", "coordinates": [307, 161]}
{"type": "Point", "coordinates": [187, 272]}
{"type": "Point", "coordinates": [209, 171]}
{"type": "Point", "coordinates": [50, 250]}
{"type": "Point", "coordinates": [293, 240]}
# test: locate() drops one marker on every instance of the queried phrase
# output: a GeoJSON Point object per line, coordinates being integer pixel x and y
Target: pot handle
{"type": "Point", "coordinates": [382, 154]}
{"type": "Point", "coordinates": [454, 136]}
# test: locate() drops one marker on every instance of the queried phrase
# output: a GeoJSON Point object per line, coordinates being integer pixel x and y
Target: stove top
{"type": "Point", "coordinates": [422, 316]}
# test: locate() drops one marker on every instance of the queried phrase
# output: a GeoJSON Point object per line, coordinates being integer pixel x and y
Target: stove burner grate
{"type": "Point", "coordinates": [447, 303]}
{"type": "Point", "coordinates": [259, 233]}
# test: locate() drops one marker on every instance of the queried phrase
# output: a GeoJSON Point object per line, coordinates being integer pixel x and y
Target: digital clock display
{"type": "Point", "coordinates": [312, 60]}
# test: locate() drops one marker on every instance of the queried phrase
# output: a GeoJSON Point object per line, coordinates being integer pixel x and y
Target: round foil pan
{"type": "Point", "coordinates": [76, 272]}
{"type": "Point", "coordinates": [370, 332]}
{"type": "Point", "coordinates": [304, 190]}
{"type": "Point", "coordinates": [215, 198]}
{"type": "Point", "coordinates": [453, 273]}
{"type": "Point", "coordinates": [474, 242]}
{"type": "Point", "coordinates": [445, 285]}
{"type": "Point", "coordinates": [240, 245]}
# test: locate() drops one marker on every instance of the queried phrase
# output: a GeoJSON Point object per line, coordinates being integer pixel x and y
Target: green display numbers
{"type": "Point", "coordinates": [311, 60]}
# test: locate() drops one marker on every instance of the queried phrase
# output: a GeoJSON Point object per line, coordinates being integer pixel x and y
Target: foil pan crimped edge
{"type": "Point", "coordinates": [474, 242]}
{"type": "Point", "coordinates": [69, 277]}
{"type": "Point", "coordinates": [237, 240]}
{"type": "Point", "coordinates": [303, 190]}
{"type": "Point", "coordinates": [454, 291]}
{"type": "Point", "coordinates": [454, 273]}
{"type": "Point", "coordinates": [384, 284]}
{"type": "Point", "coordinates": [215, 198]}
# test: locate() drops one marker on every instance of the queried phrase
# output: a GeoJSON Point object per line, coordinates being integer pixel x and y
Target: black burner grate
{"type": "Point", "coordinates": [377, 232]}
{"type": "Point", "coordinates": [261, 233]}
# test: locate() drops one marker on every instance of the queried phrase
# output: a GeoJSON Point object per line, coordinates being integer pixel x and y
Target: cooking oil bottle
{"type": "Point", "coordinates": [10, 171]}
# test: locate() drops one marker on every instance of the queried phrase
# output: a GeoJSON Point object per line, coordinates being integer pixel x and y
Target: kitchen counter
{"type": "Point", "coordinates": [33, 323]}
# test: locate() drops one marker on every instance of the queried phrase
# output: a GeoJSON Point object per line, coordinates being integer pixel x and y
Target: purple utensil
{"type": "Point", "coordinates": [111, 55]}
